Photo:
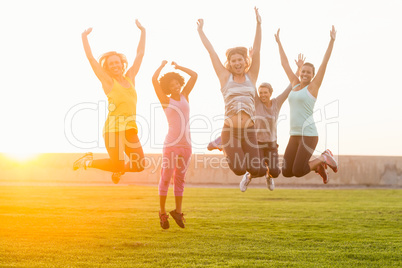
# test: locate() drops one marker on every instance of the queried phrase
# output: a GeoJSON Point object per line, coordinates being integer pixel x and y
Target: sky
{"type": "Point", "coordinates": [52, 101]}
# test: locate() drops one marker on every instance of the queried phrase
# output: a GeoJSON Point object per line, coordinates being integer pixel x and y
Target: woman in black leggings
{"type": "Point", "coordinates": [303, 132]}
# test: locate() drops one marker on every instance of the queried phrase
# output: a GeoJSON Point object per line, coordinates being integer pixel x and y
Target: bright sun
{"type": "Point", "coordinates": [22, 156]}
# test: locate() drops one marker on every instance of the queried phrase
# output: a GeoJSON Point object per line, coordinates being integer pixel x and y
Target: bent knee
{"type": "Point", "coordinates": [238, 171]}
{"type": "Point", "coordinates": [274, 172]}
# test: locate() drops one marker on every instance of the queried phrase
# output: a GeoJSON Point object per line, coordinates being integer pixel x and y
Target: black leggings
{"type": "Point", "coordinates": [297, 155]}
{"type": "Point", "coordinates": [269, 156]}
{"type": "Point", "coordinates": [118, 143]}
{"type": "Point", "coordinates": [241, 150]}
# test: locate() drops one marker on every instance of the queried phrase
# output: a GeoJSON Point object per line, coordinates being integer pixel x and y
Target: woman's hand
{"type": "Point", "coordinates": [277, 39]}
{"type": "Point", "coordinates": [87, 32]}
{"type": "Point", "coordinates": [200, 24]}
{"type": "Point", "coordinates": [333, 33]}
{"type": "Point", "coordinates": [300, 61]}
{"type": "Point", "coordinates": [175, 65]}
{"type": "Point", "coordinates": [257, 15]}
{"type": "Point", "coordinates": [139, 25]}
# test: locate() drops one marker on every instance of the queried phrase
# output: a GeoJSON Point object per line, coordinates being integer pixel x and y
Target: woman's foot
{"type": "Point", "coordinates": [322, 172]}
{"type": "Point", "coordinates": [164, 220]}
{"type": "Point", "coordinates": [270, 182]}
{"type": "Point", "coordinates": [116, 177]}
{"type": "Point", "coordinates": [245, 182]}
{"type": "Point", "coordinates": [330, 160]}
{"type": "Point", "coordinates": [216, 144]}
{"type": "Point", "coordinates": [178, 217]}
{"type": "Point", "coordinates": [83, 162]}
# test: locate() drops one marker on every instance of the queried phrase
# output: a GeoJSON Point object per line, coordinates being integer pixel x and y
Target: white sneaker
{"type": "Point", "coordinates": [245, 182]}
{"type": "Point", "coordinates": [270, 183]}
{"type": "Point", "coordinates": [83, 161]}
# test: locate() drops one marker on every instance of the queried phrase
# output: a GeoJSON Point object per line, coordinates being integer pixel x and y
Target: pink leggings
{"type": "Point", "coordinates": [175, 162]}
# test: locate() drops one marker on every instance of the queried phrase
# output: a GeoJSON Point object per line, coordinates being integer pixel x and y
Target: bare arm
{"type": "Point", "coordinates": [285, 94]}
{"type": "Point", "coordinates": [293, 79]}
{"type": "Point", "coordinates": [191, 82]}
{"type": "Point", "coordinates": [220, 70]}
{"type": "Point", "coordinates": [132, 72]}
{"type": "Point", "coordinates": [164, 100]}
{"type": "Point", "coordinates": [104, 78]}
{"type": "Point", "coordinates": [317, 81]}
{"type": "Point", "coordinates": [255, 61]}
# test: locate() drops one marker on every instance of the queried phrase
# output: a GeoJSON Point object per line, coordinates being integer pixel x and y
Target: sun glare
{"type": "Point", "coordinates": [22, 156]}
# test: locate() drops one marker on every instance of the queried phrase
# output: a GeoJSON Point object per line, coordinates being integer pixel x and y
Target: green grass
{"type": "Point", "coordinates": [119, 227]}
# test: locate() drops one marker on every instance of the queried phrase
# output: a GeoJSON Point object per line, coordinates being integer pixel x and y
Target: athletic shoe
{"type": "Point", "coordinates": [164, 220]}
{"type": "Point", "coordinates": [216, 144]}
{"type": "Point", "coordinates": [116, 177]}
{"type": "Point", "coordinates": [245, 182]}
{"type": "Point", "coordinates": [323, 173]}
{"type": "Point", "coordinates": [178, 217]}
{"type": "Point", "coordinates": [330, 160]}
{"type": "Point", "coordinates": [82, 161]}
{"type": "Point", "coordinates": [270, 182]}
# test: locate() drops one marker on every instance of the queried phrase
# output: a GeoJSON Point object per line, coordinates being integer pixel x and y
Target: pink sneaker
{"type": "Point", "coordinates": [330, 160]}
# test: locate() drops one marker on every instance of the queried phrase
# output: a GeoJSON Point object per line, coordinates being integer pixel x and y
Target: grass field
{"type": "Point", "coordinates": [119, 227]}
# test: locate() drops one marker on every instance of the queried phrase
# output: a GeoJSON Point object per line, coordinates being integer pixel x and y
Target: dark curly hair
{"type": "Point", "coordinates": [165, 80]}
{"type": "Point", "coordinates": [237, 50]}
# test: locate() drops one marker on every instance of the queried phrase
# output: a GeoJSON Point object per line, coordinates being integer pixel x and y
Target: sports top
{"type": "Point", "coordinates": [122, 108]}
{"type": "Point", "coordinates": [301, 105]}
{"type": "Point", "coordinates": [178, 116]}
{"type": "Point", "coordinates": [266, 120]}
{"type": "Point", "coordinates": [239, 97]}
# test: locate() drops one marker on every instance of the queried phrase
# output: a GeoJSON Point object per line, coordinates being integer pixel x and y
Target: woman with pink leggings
{"type": "Point", "coordinates": [177, 145]}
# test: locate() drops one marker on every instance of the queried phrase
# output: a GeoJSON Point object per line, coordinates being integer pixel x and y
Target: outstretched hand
{"type": "Point", "coordinates": [300, 60]}
{"type": "Point", "coordinates": [164, 62]}
{"type": "Point", "coordinates": [87, 31]}
{"type": "Point", "coordinates": [139, 25]}
{"type": "Point", "coordinates": [200, 24]}
{"type": "Point", "coordinates": [277, 36]}
{"type": "Point", "coordinates": [257, 15]}
{"type": "Point", "coordinates": [333, 33]}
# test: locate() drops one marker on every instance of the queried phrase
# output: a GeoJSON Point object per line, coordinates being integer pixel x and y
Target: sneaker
{"type": "Point", "coordinates": [216, 144]}
{"type": "Point", "coordinates": [164, 220]}
{"type": "Point", "coordinates": [330, 160]}
{"type": "Point", "coordinates": [178, 217]}
{"type": "Point", "coordinates": [82, 161]}
{"type": "Point", "coordinates": [270, 183]}
{"type": "Point", "coordinates": [245, 182]}
{"type": "Point", "coordinates": [116, 177]}
{"type": "Point", "coordinates": [323, 173]}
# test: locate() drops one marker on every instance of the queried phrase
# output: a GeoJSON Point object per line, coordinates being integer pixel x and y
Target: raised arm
{"type": "Point", "coordinates": [220, 70]}
{"type": "Point", "coordinates": [132, 72]}
{"type": "Point", "coordinates": [285, 94]}
{"type": "Point", "coordinates": [317, 81]}
{"type": "Point", "coordinates": [104, 78]}
{"type": "Point", "coordinates": [191, 82]}
{"type": "Point", "coordinates": [293, 79]}
{"type": "Point", "coordinates": [255, 60]}
{"type": "Point", "coordinates": [164, 100]}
